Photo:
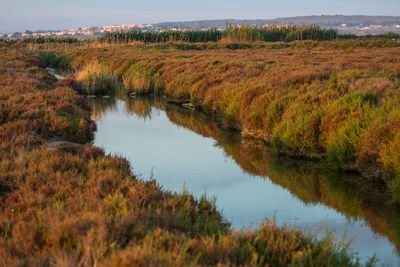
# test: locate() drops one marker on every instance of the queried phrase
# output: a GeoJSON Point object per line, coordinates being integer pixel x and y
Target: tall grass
{"type": "Point", "coordinates": [239, 33]}
{"type": "Point", "coordinates": [142, 80]}
{"type": "Point", "coordinates": [97, 79]}
{"type": "Point", "coordinates": [242, 33]}
{"type": "Point", "coordinates": [211, 35]}
{"type": "Point", "coordinates": [278, 33]}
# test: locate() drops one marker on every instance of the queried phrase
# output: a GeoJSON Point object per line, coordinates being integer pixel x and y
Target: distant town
{"type": "Point", "coordinates": [83, 32]}
{"type": "Point", "coordinates": [367, 29]}
{"type": "Point", "coordinates": [359, 25]}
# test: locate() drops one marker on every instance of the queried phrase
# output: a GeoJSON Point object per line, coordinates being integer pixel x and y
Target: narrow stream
{"type": "Point", "coordinates": [182, 148]}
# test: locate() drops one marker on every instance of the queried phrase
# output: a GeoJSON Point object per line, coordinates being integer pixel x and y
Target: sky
{"type": "Point", "coordinates": [21, 15]}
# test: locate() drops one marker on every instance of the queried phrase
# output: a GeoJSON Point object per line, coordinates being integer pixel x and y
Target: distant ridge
{"type": "Point", "coordinates": [337, 20]}
{"type": "Point", "coordinates": [320, 20]}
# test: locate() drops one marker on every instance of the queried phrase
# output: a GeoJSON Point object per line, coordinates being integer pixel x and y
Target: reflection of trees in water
{"type": "Point", "coordinates": [347, 193]}
{"type": "Point", "coordinates": [102, 105]}
{"type": "Point", "coordinates": [140, 107]}
{"type": "Point", "coordinates": [308, 181]}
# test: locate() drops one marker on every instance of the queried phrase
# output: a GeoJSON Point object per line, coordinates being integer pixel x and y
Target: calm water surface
{"type": "Point", "coordinates": [185, 149]}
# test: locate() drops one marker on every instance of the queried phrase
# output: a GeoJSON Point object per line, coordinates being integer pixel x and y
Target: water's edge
{"type": "Point", "coordinates": [303, 176]}
{"type": "Point", "coordinates": [364, 205]}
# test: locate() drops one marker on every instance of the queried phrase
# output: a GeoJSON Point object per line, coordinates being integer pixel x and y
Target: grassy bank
{"type": "Point", "coordinates": [309, 181]}
{"type": "Point", "coordinates": [74, 205]}
{"type": "Point", "coordinates": [334, 101]}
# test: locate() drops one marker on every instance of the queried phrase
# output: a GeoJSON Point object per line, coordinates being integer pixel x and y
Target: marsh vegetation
{"type": "Point", "coordinates": [337, 102]}
{"type": "Point", "coordinates": [175, 144]}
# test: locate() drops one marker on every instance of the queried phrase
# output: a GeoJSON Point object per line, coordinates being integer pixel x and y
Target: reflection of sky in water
{"type": "Point", "coordinates": [181, 157]}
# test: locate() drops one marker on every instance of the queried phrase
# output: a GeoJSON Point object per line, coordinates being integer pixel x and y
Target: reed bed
{"type": "Point", "coordinates": [97, 79]}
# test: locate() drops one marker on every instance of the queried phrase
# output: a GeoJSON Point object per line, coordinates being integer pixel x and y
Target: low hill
{"type": "Point", "coordinates": [347, 24]}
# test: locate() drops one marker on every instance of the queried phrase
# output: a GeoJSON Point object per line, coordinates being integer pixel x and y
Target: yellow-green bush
{"type": "Point", "coordinates": [141, 80]}
{"type": "Point", "coordinates": [97, 79]}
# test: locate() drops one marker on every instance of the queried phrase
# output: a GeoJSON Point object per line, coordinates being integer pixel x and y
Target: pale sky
{"type": "Point", "coordinates": [21, 15]}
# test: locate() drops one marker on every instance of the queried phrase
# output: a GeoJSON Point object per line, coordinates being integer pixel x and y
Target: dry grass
{"type": "Point", "coordinates": [34, 107]}
{"type": "Point", "coordinates": [63, 208]}
{"type": "Point", "coordinates": [76, 206]}
{"type": "Point", "coordinates": [97, 79]}
{"type": "Point", "coordinates": [338, 100]}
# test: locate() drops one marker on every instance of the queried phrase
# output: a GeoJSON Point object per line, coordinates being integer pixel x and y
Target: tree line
{"type": "Point", "coordinates": [240, 33]}
{"type": "Point", "coordinates": [387, 35]}
{"type": "Point", "coordinates": [41, 40]}
{"type": "Point", "coordinates": [211, 35]}
{"type": "Point", "coordinates": [279, 33]}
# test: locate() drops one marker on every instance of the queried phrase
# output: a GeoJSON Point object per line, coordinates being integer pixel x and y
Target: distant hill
{"type": "Point", "coordinates": [323, 20]}
{"type": "Point", "coordinates": [353, 24]}
{"type": "Point", "coordinates": [337, 20]}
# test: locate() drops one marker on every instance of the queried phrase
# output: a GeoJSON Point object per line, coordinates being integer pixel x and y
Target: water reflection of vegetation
{"type": "Point", "coordinates": [139, 107]}
{"type": "Point", "coordinates": [312, 184]}
{"type": "Point", "coordinates": [102, 105]}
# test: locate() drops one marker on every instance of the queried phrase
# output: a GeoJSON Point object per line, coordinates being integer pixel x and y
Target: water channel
{"type": "Point", "coordinates": [184, 148]}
